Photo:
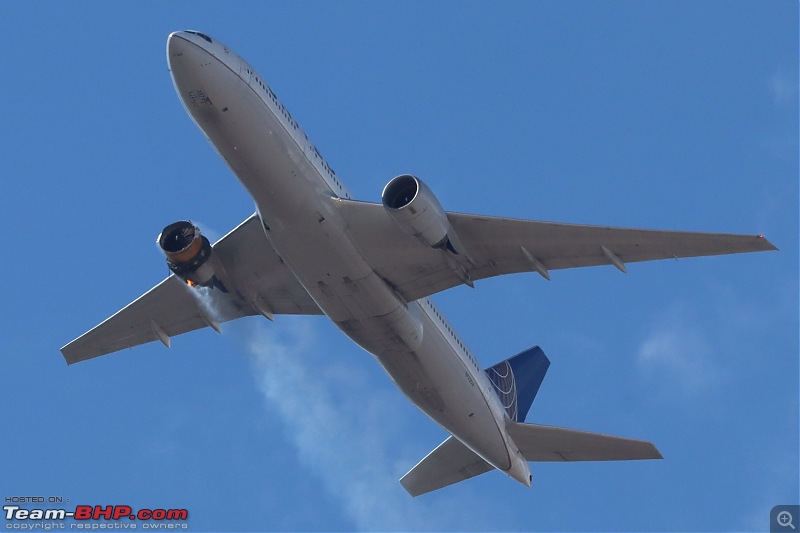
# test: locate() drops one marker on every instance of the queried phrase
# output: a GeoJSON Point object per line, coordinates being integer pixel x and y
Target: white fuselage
{"type": "Point", "coordinates": [296, 195]}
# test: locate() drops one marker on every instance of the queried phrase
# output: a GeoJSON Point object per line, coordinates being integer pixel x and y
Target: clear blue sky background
{"type": "Point", "coordinates": [666, 115]}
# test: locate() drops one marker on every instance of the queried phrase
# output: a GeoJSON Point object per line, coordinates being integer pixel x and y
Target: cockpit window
{"type": "Point", "coordinates": [201, 35]}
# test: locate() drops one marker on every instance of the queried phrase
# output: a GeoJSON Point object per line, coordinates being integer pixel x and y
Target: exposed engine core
{"type": "Point", "coordinates": [189, 254]}
{"type": "Point", "coordinates": [412, 205]}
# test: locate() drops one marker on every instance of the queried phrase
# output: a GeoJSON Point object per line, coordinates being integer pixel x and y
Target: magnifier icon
{"type": "Point", "coordinates": [784, 519]}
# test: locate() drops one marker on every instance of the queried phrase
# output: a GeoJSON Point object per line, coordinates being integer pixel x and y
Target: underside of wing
{"type": "Point", "coordinates": [549, 443]}
{"type": "Point", "coordinates": [166, 310]}
{"type": "Point", "coordinates": [498, 246]}
{"type": "Point", "coordinates": [257, 281]}
{"type": "Point", "coordinates": [259, 275]}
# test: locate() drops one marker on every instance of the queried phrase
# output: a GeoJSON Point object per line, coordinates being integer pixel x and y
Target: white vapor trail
{"type": "Point", "coordinates": [343, 430]}
{"type": "Point", "coordinates": [207, 300]}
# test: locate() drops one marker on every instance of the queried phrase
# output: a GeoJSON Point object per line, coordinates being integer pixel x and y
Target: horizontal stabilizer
{"type": "Point", "coordinates": [548, 443]}
{"type": "Point", "coordinates": [449, 463]}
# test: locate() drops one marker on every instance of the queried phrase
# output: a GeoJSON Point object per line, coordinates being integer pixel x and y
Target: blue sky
{"type": "Point", "coordinates": [665, 115]}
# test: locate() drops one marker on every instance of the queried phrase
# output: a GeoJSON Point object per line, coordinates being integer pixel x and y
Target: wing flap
{"type": "Point", "coordinates": [448, 463]}
{"type": "Point", "coordinates": [549, 443]}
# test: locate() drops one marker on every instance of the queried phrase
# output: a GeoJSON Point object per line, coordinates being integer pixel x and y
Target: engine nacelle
{"type": "Point", "coordinates": [412, 205]}
{"type": "Point", "coordinates": [189, 255]}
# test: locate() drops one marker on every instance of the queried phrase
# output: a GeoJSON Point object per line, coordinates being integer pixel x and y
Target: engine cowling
{"type": "Point", "coordinates": [190, 255]}
{"type": "Point", "coordinates": [412, 205]}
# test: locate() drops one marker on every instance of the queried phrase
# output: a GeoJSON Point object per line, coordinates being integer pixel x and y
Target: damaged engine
{"type": "Point", "coordinates": [190, 256]}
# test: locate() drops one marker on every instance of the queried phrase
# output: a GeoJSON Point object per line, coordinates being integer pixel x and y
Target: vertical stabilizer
{"type": "Point", "coordinates": [517, 380]}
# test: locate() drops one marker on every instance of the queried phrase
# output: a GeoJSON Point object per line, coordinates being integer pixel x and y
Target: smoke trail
{"type": "Point", "coordinates": [211, 303]}
{"type": "Point", "coordinates": [332, 433]}
{"type": "Point", "coordinates": [341, 431]}
{"type": "Point", "coordinates": [338, 423]}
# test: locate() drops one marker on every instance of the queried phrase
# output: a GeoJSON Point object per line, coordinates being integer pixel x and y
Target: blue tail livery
{"type": "Point", "coordinates": [517, 380]}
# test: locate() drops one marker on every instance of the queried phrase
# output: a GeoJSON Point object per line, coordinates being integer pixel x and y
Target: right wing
{"type": "Point", "coordinates": [261, 284]}
{"type": "Point", "coordinates": [549, 443]}
{"type": "Point", "coordinates": [498, 246]}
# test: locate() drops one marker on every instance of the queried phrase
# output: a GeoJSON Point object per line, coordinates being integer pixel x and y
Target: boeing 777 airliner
{"type": "Point", "coordinates": [311, 249]}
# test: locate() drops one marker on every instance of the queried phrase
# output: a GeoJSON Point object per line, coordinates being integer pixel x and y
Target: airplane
{"type": "Point", "coordinates": [311, 249]}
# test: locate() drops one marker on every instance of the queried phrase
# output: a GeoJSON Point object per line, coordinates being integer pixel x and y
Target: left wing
{"type": "Point", "coordinates": [261, 283]}
{"type": "Point", "coordinates": [498, 246]}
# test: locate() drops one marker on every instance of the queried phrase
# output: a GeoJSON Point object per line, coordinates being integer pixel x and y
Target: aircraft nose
{"type": "Point", "coordinates": [179, 40]}
{"type": "Point", "coordinates": [187, 48]}
{"type": "Point", "coordinates": [177, 43]}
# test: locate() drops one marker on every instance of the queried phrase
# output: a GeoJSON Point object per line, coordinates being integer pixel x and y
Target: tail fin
{"type": "Point", "coordinates": [517, 380]}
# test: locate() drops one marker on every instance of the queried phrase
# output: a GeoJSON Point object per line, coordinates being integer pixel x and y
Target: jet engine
{"type": "Point", "coordinates": [189, 255]}
{"type": "Point", "coordinates": [412, 205]}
